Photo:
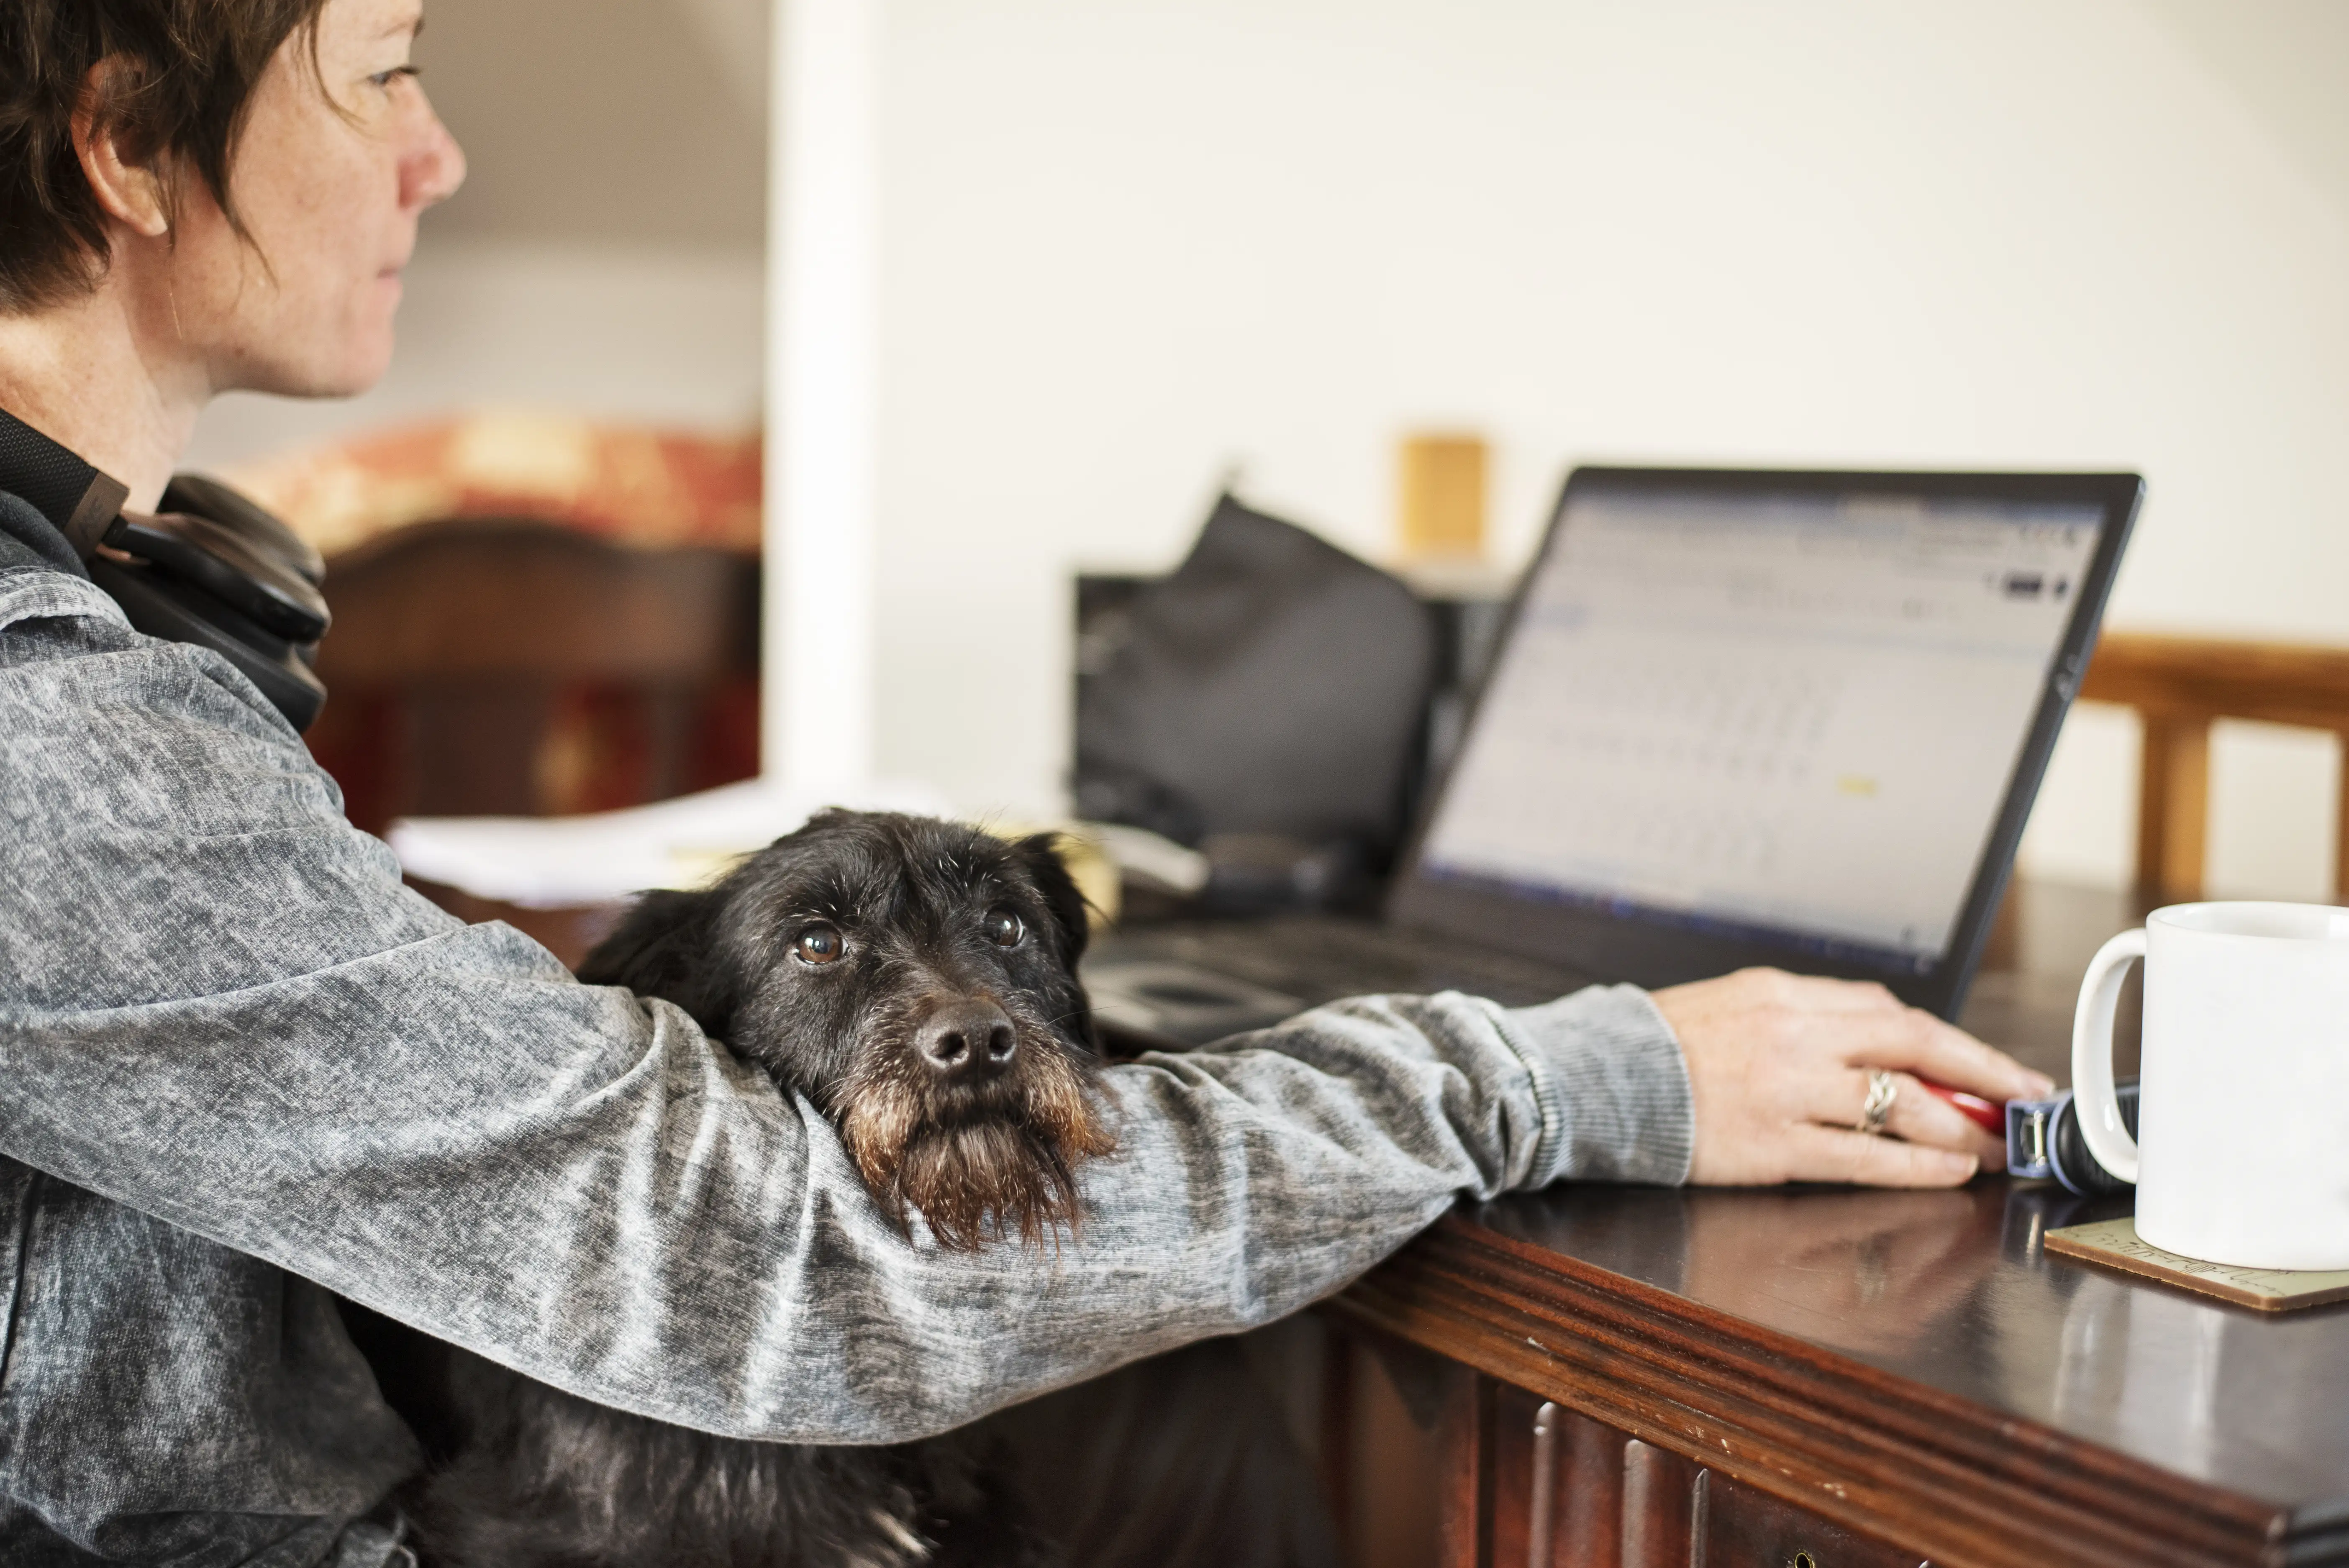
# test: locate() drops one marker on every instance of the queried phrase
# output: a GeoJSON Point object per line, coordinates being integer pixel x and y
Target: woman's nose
{"type": "Point", "coordinates": [434, 167]}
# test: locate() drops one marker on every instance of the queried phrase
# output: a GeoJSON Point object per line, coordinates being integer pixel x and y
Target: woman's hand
{"type": "Point", "coordinates": [1778, 1065]}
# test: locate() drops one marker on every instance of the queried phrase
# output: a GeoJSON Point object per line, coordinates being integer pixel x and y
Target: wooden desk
{"type": "Point", "coordinates": [1819, 1378]}
{"type": "Point", "coordinates": [1830, 1377]}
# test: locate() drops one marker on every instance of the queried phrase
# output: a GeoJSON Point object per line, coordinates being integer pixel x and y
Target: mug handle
{"type": "Point", "coordinates": [2092, 1055]}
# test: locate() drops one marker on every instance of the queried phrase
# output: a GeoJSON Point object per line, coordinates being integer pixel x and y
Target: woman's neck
{"type": "Point", "coordinates": [91, 376]}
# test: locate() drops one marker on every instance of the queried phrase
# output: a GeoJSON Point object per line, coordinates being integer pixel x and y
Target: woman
{"type": "Point", "coordinates": [243, 1067]}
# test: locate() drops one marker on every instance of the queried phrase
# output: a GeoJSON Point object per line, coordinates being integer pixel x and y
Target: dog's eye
{"type": "Point", "coordinates": [820, 944]}
{"type": "Point", "coordinates": [1004, 928]}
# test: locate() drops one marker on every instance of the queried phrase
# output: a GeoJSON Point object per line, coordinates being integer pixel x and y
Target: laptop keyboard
{"type": "Point", "coordinates": [1318, 959]}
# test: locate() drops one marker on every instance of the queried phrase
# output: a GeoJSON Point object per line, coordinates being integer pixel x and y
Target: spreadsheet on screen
{"type": "Point", "coordinates": [1771, 714]}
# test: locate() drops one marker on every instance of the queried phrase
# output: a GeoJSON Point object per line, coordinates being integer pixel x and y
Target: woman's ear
{"type": "Point", "coordinates": [1040, 853]}
{"type": "Point", "coordinates": [132, 193]}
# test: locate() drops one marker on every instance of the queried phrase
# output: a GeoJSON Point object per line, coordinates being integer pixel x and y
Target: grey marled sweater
{"type": "Point", "coordinates": [242, 1066]}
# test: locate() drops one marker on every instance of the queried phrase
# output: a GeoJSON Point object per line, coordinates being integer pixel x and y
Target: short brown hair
{"type": "Point", "coordinates": [192, 68]}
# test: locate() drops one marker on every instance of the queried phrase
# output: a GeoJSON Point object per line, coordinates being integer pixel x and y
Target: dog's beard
{"type": "Point", "coordinates": [983, 1167]}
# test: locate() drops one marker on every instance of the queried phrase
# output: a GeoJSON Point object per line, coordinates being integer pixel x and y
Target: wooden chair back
{"type": "Point", "coordinates": [523, 668]}
{"type": "Point", "coordinates": [2179, 687]}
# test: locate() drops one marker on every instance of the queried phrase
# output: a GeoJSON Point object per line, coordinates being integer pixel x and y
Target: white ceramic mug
{"type": "Point", "coordinates": [2242, 1153]}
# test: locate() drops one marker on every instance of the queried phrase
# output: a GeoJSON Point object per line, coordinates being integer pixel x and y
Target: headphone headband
{"type": "Point", "coordinates": [101, 503]}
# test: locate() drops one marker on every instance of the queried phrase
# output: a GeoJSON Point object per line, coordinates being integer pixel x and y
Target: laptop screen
{"type": "Point", "coordinates": [1787, 719]}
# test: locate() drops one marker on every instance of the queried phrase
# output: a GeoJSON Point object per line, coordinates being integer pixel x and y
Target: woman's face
{"type": "Point", "coordinates": [329, 177]}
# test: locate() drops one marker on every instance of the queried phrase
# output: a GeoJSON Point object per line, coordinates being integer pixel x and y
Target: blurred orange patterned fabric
{"type": "Point", "coordinates": [628, 483]}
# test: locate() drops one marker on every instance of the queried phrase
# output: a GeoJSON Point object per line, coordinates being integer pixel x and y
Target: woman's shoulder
{"type": "Point", "coordinates": [33, 588]}
{"type": "Point", "coordinates": [106, 726]}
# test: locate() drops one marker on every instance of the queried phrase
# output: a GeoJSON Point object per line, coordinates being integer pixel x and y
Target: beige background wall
{"type": "Point", "coordinates": [605, 253]}
{"type": "Point", "coordinates": [1131, 243]}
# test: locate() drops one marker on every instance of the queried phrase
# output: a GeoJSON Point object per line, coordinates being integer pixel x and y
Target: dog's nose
{"type": "Point", "coordinates": [967, 1041]}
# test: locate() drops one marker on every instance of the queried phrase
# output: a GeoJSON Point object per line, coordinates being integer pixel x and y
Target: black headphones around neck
{"type": "Point", "coordinates": [209, 568]}
{"type": "Point", "coordinates": [212, 569]}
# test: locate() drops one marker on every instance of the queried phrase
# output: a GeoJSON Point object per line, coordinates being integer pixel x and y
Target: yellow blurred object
{"type": "Point", "coordinates": [1087, 858]}
{"type": "Point", "coordinates": [700, 868]}
{"type": "Point", "coordinates": [1440, 496]}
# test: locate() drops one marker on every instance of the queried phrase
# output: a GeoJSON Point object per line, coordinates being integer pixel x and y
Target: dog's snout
{"type": "Point", "coordinates": [967, 1039]}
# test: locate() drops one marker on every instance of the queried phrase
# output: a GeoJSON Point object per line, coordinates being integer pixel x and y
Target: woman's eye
{"type": "Point", "coordinates": [820, 944]}
{"type": "Point", "coordinates": [384, 79]}
{"type": "Point", "coordinates": [1005, 929]}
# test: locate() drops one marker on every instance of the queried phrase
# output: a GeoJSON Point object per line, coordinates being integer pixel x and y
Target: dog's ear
{"type": "Point", "coordinates": [1040, 855]}
{"type": "Point", "coordinates": [660, 948]}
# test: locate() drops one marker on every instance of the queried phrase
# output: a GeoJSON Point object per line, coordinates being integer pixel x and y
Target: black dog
{"type": "Point", "coordinates": [916, 981]}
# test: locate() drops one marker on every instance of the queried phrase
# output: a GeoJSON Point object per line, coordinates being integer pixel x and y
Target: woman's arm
{"type": "Point", "coordinates": [219, 1005]}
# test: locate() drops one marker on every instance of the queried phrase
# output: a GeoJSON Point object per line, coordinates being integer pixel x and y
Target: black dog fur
{"type": "Point", "coordinates": [916, 981]}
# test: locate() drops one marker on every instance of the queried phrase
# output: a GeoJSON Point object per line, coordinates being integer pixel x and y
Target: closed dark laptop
{"type": "Point", "coordinates": [1735, 717]}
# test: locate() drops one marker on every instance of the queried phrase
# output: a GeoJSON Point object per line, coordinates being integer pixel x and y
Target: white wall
{"type": "Point", "coordinates": [604, 253]}
{"type": "Point", "coordinates": [1130, 244]}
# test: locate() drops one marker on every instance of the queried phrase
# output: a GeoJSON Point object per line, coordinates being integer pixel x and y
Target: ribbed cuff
{"type": "Point", "coordinates": [1612, 1086]}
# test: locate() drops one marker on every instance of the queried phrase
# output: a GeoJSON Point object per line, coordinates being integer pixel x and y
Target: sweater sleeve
{"type": "Point", "coordinates": [220, 1006]}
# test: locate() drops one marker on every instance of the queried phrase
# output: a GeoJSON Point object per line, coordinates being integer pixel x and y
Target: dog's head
{"type": "Point", "coordinates": [916, 980]}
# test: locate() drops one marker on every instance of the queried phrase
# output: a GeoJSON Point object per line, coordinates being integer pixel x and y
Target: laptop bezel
{"type": "Point", "coordinates": [1652, 954]}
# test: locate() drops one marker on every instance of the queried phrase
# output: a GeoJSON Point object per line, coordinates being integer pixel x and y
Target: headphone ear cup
{"type": "Point", "coordinates": [241, 515]}
{"type": "Point", "coordinates": [219, 559]}
{"type": "Point", "coordinates": [225, 575]}
{"type": "Point", "coordinates": [176, 610]}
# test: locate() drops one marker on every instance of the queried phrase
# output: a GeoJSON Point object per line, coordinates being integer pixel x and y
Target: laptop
{"type": "Point", "coordinates": [1734, 718]}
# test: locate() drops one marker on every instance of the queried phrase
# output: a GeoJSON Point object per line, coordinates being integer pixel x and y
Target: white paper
{"type": "Point", "coordinates": [549, 862]}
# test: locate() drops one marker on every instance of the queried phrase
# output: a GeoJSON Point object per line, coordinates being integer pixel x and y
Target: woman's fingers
{"type": "Point", "coordinates": [1917, 1115]}
{"type": "Point", "coordinates": [1916, 1042]}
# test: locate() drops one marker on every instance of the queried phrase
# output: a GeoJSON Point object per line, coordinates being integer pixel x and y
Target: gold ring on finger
{"type": "Point", "coordinates": [1883, 1088]}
